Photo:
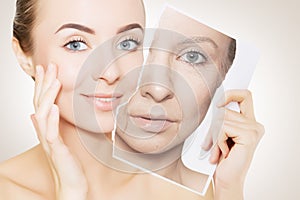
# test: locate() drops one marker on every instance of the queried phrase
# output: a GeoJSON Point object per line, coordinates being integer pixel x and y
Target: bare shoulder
{"type": "Point", "coordinates": [25, 176]}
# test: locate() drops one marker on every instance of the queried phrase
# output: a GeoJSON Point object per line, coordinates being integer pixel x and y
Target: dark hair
{"type": "Point", "coordinates": [230, 56]}
{"type": "Point", "coordinates": [24, 22]}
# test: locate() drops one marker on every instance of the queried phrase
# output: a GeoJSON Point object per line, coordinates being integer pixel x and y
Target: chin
{"type": "Point", "coordinates": [105, 122]}
{"type": "Point", "coordinates": [98, 126]}
{"type": "Point", "coordinates": [155, 145]}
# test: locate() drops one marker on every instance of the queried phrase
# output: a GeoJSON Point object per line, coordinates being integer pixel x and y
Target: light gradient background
{"type": "Point", "coordinates": [272, 26]}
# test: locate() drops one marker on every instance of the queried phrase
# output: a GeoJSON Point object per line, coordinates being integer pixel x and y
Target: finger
{"type": "Point", "coordinates": [235, 119]}
{"type": "Point", "coordinates": [235, 132]}
{"type": "Point", "coordinates": [244, 98]}
{"type": "Point", "coordinates": [241, 136]}
{"type": "Point", "coordinates": [39, 119]}
{"type": "Point", "coordinates": [208, 141]}
{"type": "Point", "coordinates": [213, 133]}
{"type": "Point", "coordinates": [68, 169]}
{"type": "Point", "coordinates": [49, 78]}
{"type": "Point", "coordinates": [222, 143]}
{"type": "Point", "coordinates": [231, 115]}
{"type": "Point", "coordinates": [53, 123]}
{"type": "Point", "coordinates": [47, 101]}
{"type": "Point", "coordinates": [255, 129]}
{"type": "Point", "coordinates": [215, 155]}
{"type": "Point", "coordinates": [40, 133]}
{"type": "Point", "coordinates": [39, 78]}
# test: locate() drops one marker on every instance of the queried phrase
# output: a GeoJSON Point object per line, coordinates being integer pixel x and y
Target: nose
{"type": "Point", "coordinates": [110, 75]}
{"type": "Point", "coordinates": [104, 64]}
{"type": "Point", "coordinates": [156, 92]}
{"type": "Point", "coordinates": [157, 77]}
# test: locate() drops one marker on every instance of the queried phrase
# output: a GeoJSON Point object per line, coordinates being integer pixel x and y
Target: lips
{"type": "Point", "coordinates": [103, 102]}
{"type": "Point", "coordinates": [152, 124]}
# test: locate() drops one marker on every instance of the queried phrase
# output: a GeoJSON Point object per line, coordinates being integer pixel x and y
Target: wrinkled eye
{"type": "Point", "coordinates": [76, 46]}
{"type": "Point", "coordinates": [128, 45]}
{"type": "Point", "coordinates": [193, 57]}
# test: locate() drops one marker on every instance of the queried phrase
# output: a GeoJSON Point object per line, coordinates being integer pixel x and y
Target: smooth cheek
{"type": "Point", "coordinates": [68, 69]}
{"type": "Point", "coordinates": [68, 66]}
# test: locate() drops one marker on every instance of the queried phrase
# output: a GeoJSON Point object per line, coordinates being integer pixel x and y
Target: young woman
{"type": "Point", "coordinates": [51, 41]}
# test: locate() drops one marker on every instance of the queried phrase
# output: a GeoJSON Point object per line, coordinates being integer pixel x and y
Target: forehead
{"type": "Point", "coordinates": [98, 14]}
{"type": "Point", "coordinates": [189, 27]}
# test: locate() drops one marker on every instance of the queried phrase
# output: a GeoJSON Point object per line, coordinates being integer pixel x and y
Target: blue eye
{"type": "Point", "coordinates": [128, 45]}
{"type": "Point", "coordinates": [193, 57]}
{"type": "Point", "coordinates": [76, 45]}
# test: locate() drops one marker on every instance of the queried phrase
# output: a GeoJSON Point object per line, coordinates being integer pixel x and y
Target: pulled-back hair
{"type": "Point", "coordinates": [24, 22]}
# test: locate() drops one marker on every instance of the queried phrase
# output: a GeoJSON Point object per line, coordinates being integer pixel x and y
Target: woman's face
{"type": "Point", "coordinates": [65, 34]}
{"type": "Point", "coordinates": [182, 75]}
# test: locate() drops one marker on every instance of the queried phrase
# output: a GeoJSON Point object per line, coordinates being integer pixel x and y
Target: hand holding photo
{"type": "Point", "coordinates": [160, 128]}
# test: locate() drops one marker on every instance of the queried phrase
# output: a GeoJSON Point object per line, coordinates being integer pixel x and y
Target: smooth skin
{"type": "Point", "coordinates": [61, 168]}
{"type": "Point", "coordinates": [52, 169]}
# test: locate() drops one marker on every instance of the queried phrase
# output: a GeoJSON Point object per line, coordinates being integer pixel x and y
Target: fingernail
{"type": "Point", "coordinates": [32, 117]}
{"type": "Point", "coordinates": [38, 70]}
{"type": "Point", "coordinates": [203, 146]}
{"type": "Point", "coordinates": [54, 109]}
{"type": "Point", "coordinates": [211, 160]}
{"type": "Point", "coordinates": [56, 83]}
{"type": "Point", "coordinates": [51, 67]}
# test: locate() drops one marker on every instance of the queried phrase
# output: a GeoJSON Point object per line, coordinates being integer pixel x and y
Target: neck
{"type": "Point", "coordinates": [164, 163]}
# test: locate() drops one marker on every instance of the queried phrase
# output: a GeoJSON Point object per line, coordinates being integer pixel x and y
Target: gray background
{"type": "Point", "coordinates": [272, 26]}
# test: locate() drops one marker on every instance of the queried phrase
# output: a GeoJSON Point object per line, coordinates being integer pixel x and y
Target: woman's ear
{"type": "Point", "coordinates": [24, 60]}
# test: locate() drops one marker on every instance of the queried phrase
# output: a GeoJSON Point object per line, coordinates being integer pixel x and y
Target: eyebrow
{"type": "Point", "coordinates": [199, 39]}
{"type": "Point", "coordinates": [78, 27]}
{"type": "Point", "coordinates": [91, 31]}
{"type": "Point", "coordinates": [129, 27]}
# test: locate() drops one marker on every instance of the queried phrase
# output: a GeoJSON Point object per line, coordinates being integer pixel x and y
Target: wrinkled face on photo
{"type": "Point", "coordinates": [185, 65]}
